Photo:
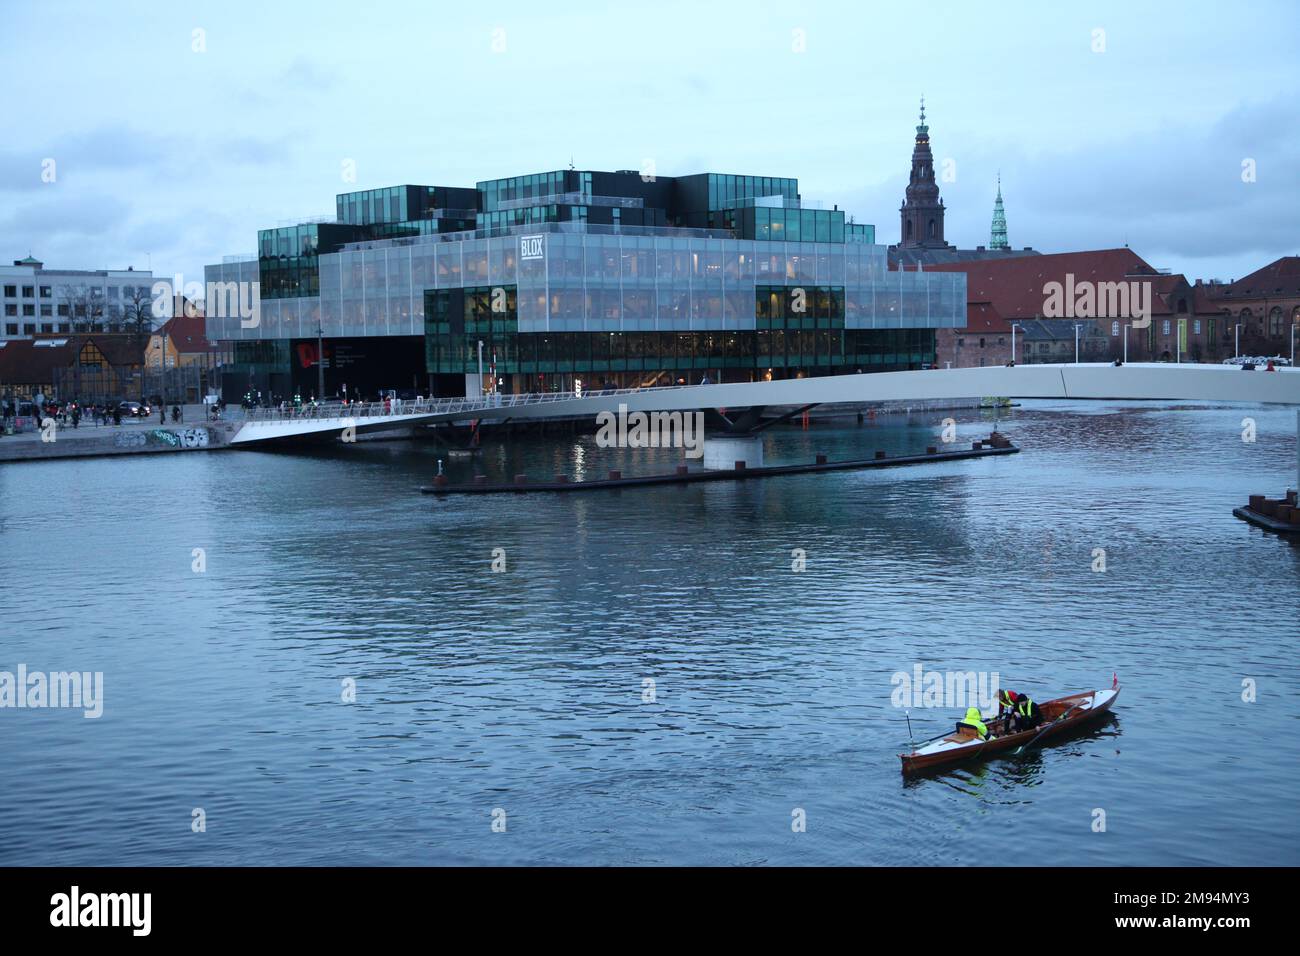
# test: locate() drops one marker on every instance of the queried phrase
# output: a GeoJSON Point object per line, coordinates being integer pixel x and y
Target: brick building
{"type": "Point", "coordinates": [1266, 304]}
{"type": "Point", "coordinates": [1020, 292]}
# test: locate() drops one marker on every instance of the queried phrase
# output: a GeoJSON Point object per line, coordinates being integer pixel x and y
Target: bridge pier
{"type": "Point", "coordinates": [721, 453]}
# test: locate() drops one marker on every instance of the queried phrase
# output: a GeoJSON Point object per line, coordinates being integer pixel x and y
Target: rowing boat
{"type": "Point", "coordinates": [1059, 715]}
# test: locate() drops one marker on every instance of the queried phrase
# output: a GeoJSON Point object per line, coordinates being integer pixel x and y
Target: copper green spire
{"type": "Point", "coordinates": [998, 239]}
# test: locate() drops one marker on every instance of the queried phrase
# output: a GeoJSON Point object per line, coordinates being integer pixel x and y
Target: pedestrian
{"type": "Point", "coordinates": [117, 415]}
{"type": "Point", "coordinates": [76, 415]}
{"type": "Point", "coordinates": [162, 414]}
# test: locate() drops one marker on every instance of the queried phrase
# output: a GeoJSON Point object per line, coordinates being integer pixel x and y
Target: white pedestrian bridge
{"type": "Point", "coordinates": [1133, 382]}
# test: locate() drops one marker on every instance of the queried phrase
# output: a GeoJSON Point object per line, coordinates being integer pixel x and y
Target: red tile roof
{"type": "Point", "coordinates": [24, 362]}
{"type": "Point", "coordinates": [1283, 274]}
{"type": "Point", "coordinates": [1014, 287]}
{"type": "Point", "coordinates": [188, 334]}
{"type": "Point", "coordinates": [983, 317]}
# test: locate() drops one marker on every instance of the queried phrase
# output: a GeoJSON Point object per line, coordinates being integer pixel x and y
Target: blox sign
{"type": "Point", "coordinates": [532, 247]}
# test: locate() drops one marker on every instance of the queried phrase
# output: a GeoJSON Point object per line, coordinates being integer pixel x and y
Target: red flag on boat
{"type": "Point", "coordinates": [1114, 680]}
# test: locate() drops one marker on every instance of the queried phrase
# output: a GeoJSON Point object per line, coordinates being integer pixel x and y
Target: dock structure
{"type": "Point", "coordinates": [995, 444]}
{"type": "Point", "coordinates": [1279, 515]}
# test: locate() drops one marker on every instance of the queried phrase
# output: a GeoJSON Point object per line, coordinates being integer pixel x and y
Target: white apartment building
{"type": "Point", "coordinates": [35, 300]}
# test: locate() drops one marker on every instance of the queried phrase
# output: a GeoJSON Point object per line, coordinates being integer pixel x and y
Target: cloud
{"type": "Point", "coordinates": [117, 150]}
{"type": "Point", "coordinates": [53, 218]}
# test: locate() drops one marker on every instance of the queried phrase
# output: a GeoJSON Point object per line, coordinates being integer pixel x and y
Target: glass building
{"type": "Point", "coordinates": [608, 279]}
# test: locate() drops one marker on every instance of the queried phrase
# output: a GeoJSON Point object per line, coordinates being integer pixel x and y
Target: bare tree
{"type": "Point", "coordinates": [85, 307]}
{"type": "Point", "coordinates": [137, 311]}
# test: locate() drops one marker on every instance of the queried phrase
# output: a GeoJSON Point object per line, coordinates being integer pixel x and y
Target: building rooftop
{"type": "Point", "coordinates": [1279, 277]}
{"type": "Point", "coordinates": [1015, 286]}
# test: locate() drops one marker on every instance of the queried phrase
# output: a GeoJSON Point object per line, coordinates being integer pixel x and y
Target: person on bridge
{"type": "Point", "coordinates": [973, 722]}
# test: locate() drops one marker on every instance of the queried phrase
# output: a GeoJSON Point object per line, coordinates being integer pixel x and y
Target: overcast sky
{"type": "Point", "coordinates": [170, 156]}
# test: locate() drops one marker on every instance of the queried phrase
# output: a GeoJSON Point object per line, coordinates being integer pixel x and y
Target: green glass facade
{"type": "Point", "coordinates": [493, 192]}
{"type": "Point", "coordinates": [788, 225]}
{"type": "Point", "coordinates": [788, 342]}
{"type": "Point", "coordinates": [289, 257]}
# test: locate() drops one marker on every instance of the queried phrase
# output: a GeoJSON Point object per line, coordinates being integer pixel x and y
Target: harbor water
{"type": "Point", "coordinates": [306, 661]}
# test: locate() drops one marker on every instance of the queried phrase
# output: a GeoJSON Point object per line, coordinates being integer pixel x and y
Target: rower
{"type": "Point", "coordinates": [1027, 714]}
{"type": "Point", "coordinates": [973, 721]}
{"type": "Point", "coordinates": [1007, 707]}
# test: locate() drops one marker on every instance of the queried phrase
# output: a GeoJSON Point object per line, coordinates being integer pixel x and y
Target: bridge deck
{"type": "Point", "coordinates": [1136, 382]}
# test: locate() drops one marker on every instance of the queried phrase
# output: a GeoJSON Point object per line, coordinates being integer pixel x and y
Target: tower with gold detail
{"type": "Point", "coordinates": [921, 215]}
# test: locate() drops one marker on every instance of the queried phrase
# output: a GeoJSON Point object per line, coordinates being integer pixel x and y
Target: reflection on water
{"type": "Point", "coordinates": [526, 690]}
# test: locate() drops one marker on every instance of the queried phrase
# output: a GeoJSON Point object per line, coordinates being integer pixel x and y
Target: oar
{"type": "Point", "coordinates": [1021, 750]}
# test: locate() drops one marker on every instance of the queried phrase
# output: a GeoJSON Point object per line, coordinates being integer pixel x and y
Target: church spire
{"type": "Point", "coordinates": [921, 215]}
{"type": "Point", "coordinates": [998, 236]}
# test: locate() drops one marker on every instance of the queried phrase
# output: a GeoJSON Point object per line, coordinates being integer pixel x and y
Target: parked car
{"type": "Point", "coordinates": [134, 410]}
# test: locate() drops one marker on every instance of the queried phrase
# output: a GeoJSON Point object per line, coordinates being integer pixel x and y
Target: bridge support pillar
{"type": "Point", "coordinates": [721, 454]}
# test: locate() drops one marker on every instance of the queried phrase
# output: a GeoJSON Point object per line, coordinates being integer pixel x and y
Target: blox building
{"type": "Point", "coordinates": [572, 276]}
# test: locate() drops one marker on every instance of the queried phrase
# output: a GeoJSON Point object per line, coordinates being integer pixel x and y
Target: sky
{"type": "Point", "coordinates": [163, 135]}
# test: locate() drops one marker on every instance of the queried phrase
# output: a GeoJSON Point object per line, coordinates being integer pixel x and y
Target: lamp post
{"type": "Point", "coordinates": [1077, 327]}
{"type": "Point", "coordinates": [1293, 325]}
{"type": "Point", "coordinates": [1236, 341]}
{"type": "Point", "coordinates": [1014, 326]}
{"type": "Point", "coordinates": [1127, 326]}
{"type": "Point", "coordinates": [320, 363]}
{"type": "Point", "coordinates": [480, 368]}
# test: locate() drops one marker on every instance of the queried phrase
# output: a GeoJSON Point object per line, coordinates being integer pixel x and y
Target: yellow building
{"type": "Point", "coordinates": [182, 342]}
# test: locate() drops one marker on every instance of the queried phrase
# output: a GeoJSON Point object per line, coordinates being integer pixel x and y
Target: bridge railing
{"type": "Point", "coordinates": [402, 408]}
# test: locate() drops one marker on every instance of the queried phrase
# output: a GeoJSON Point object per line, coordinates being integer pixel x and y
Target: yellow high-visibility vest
{"type": "Point", "coordinates": [973, 718]}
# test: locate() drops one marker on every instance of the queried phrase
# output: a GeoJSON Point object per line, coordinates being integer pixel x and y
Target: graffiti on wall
{"type": "Point", "coordinates": [182, 438]}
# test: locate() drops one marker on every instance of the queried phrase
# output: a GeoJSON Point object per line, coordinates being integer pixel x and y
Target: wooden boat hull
{"type": "Point", "coordinates": [956, 747]}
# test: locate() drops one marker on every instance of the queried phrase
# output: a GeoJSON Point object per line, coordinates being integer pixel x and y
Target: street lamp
{"type": "Point", "coordinates": [320, 363]}
{"type": "Point", "coordinates": [1236, 341]}
{"type": "Point", "coordinates": [1014, 326]}
{"type": "Point", "coordinates": [1293, 325]}
{"type": "Point", "coordinates": [480, 368]}
{"type": "Point", "coordinates": [1127, 326]}
{"type": "Point", "coordinates": [1077, 327]}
